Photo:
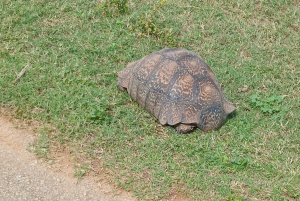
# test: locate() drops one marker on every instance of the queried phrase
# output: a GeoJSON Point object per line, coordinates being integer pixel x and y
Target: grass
{"type": "Point", "coordinates": [75, 48]}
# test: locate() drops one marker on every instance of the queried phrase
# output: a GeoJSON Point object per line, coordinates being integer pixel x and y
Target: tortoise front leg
{"type": "Point", "coordinates": [184, 128]}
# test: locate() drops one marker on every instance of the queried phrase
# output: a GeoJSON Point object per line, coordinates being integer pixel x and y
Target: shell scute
{"type": "Point", "coordinates": [209, 94]}
{"type": "Point", "coordinates": [142, 92]}
{"type": "Point", "coordinates": [182, 89]}
{"type": "Point", "coordinates": [191, 114]}
{"type": "Point", "coordinates": [175, 113]}
{"type": "Point", "coordinates": [164, 111]}
{"type": "Point", "coordinates": [146, 66]}
{"type": "Point", "coordinates": [194, 65]}
{"type": "Point", "coordinates": [163, 75]}
{"type": "Point", "coordinates": [151, 102]}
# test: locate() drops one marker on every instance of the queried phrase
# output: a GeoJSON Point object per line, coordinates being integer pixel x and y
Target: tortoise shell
{"type": "Point", "coordinates": [178, 88]}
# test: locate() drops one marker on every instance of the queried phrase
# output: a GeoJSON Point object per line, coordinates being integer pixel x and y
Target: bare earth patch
{"type": "Point", "coordinates": [25, 177]}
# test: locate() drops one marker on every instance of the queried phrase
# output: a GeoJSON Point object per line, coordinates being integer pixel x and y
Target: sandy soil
{"type": "Point", "coordinates": [25, 177]}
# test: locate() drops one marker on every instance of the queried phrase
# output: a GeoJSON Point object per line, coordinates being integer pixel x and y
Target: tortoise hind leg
{"type": "Point", "coordinates": [184, 128]}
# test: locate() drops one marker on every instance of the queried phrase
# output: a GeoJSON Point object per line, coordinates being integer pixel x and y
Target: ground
{"type": "Point", "coordinates": [25, 177]}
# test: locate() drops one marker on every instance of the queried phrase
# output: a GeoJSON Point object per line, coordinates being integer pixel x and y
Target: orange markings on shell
{"type": "Point", "coordinates": [194, 66]}
{"type": "Point", "coordinates": [191, 114]}
{"type": "Point", "coordinates": [144, 69]}
{"type": "Point", "coordinates": [178, 88]}
{"type": "Point", "coordinates": [183, 87]}
{"type": "Point", "coordinates": [175, 113]}
{"type": "Point", "coordinates": [163, 75]}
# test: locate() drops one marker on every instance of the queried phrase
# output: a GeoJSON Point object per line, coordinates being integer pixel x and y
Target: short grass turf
{"type": "Point", "coordinates": [74, 50]}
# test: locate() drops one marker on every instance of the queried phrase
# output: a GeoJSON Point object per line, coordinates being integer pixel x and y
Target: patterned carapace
{"type": "Point", "coordinates": [178, 88]}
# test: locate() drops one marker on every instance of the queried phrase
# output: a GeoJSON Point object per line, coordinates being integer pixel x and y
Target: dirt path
{"type": "Point", "coordinates": [24, 177]}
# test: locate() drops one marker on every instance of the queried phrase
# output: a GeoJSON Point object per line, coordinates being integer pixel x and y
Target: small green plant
{"type": "Point", "coordinates": [101, 114]}
{"type": "Point", "coordinates": [240, 164]}
{"type": "Point", "coordinates": [110, 7]}
{"type": "Point", "coordinates": [148, 25]}
{"type": "Point", "coordinates": [269, 105]}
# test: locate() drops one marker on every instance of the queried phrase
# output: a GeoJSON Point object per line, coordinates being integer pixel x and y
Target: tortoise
{"type": "Point", "coordinates": [178, 88]}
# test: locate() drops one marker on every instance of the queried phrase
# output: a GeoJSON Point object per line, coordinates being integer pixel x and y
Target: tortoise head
{"type": "Point", "coordinates": [214, 117]}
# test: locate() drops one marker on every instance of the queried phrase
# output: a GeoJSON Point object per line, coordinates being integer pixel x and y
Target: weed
{"type": "Point", "coordinates": [240, 164]}
{"type": "Point", "coordinates": [269, 105]}
{"type": "Point", "coordinates": [111, 7]}
{"type": "Point", "coordinates": [101, 114]}
{"type": "Point", "coordinates": [149, 25]}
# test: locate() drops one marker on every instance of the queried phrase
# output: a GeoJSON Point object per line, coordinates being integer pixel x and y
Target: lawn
{"type": "Point", "coordinates": [74, 50]}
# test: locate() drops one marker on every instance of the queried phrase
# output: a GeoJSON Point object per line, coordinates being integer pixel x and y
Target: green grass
{"type": "Point", "coordinates": [75, 48]}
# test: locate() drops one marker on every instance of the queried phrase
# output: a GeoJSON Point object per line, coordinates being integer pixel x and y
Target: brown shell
{"type": "Point", "coordinates": [177, 87]}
